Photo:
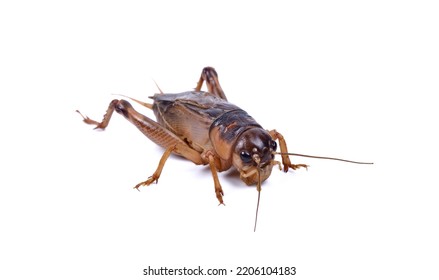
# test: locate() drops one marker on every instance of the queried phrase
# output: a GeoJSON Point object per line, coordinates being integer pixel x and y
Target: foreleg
{"type": "Point", "coordinates": [283, 149]}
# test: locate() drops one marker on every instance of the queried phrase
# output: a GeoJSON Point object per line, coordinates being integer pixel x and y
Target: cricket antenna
{"type": "Point", "coordinates": [257, 208]}
{"type": "Point", "coordinates": [259, 196]}
{"type": "Point", "coordinates": [319, 157]}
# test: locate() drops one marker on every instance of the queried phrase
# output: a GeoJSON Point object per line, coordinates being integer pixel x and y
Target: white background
{"type": "Point", "coordinates": [336, 78]}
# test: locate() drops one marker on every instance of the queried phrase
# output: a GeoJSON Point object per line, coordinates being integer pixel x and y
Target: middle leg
{"type": "Point", "coordinates": [210, 76]}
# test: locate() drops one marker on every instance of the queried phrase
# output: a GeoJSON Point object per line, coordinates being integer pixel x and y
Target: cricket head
{"type": "Point", "coordinates": [250, 148]}
{"type": "Point", "coordinates": [253, 156]}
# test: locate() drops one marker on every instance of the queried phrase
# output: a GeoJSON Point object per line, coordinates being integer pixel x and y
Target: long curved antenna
{"type": "Point", "coordinates": [319, 157]}
{"type": "Point", "coordinates": [259, 197]}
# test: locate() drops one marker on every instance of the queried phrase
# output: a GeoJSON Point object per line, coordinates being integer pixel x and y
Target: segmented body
{"type": "Point", "coordinates": [192, 116]}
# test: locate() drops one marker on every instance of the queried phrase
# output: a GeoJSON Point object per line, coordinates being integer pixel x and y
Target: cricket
{"type": "Point", "coordinates": [203, 127]}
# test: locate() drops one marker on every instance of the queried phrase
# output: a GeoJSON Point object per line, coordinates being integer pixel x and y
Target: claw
{"type": "Point", "coordinates": [87, 120]}
{"type": "Point", "coordinates": [219, 196]}
{"type": "Point", "coordinates": [148, 182]}
{"type": "Point", "coordinates": [297, 166]}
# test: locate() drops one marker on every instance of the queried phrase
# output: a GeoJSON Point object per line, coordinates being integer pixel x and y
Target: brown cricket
{"type": "Point", "coordinates": [203, 127]}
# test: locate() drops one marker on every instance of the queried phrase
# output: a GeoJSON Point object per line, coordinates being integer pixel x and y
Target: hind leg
{"type": "Point", "coordinates": [153, 130]}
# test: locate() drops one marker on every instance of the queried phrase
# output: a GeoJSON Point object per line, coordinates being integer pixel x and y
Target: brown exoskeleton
{"type": "Point", "coordinates": [203, 127]}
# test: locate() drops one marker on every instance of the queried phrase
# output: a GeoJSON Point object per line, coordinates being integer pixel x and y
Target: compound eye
{"type": "Point", "coordinates": [273, 145]}
{"type": "Point", "coordinates": [245, 157]}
